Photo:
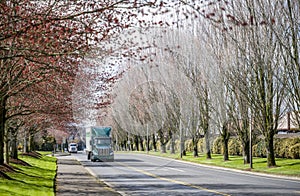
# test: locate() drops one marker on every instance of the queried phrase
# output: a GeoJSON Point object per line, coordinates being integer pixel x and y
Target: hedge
{"type": "Point", "coordinates": [283, 147]}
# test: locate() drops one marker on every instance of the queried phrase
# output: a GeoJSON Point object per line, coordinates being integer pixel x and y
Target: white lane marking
{"type": "Point", "coordinates": [171, 168]}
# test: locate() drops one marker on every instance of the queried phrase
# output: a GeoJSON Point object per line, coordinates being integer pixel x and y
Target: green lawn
{"type": "Point", "coordinates": [37, 179]}
{"type": "Point", "coordinates": [290, 167]}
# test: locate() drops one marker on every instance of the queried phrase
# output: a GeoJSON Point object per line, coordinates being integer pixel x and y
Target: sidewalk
{"type": "Point", "coordinates": [73, 179]}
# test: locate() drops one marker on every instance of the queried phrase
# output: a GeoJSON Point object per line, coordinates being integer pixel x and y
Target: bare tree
{"type": "Point", "coordinates": [192, 59]}
{"type": "Point", "coordinates": [287, 33]}
{"type": "Point", "coordinates": [221, 99]}
{"type": "Point", "coordinates": [249, 26]}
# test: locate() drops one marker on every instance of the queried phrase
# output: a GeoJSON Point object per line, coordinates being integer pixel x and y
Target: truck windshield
{"type": "Point", "coordinates": [102, 141]}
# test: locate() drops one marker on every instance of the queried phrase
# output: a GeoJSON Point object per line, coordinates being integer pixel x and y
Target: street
{"type": "Point", "coordinates": [140, 174]}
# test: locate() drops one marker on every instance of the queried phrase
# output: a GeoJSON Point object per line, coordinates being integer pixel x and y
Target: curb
{"type": "Point", "coordinates": [235, 170]}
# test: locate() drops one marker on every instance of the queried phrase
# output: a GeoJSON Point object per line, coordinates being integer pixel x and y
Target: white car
{"type": "Point", "coordinates": [73, 147]}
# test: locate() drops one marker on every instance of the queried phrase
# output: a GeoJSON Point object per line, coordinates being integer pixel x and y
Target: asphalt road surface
{"type": "Point", "coordinates": [140, 174]}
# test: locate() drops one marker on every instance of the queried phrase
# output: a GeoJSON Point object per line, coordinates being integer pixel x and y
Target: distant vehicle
{"type": "Point", "coordinates": [72, 147]}
{"type": "Point", "coordinates": [98, 144]}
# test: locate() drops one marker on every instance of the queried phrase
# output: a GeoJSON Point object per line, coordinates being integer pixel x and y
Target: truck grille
{"type": "Point", "coordinates": [103, 151]}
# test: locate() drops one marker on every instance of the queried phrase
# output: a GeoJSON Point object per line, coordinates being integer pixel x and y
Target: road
{"type": "Point", "coordinates": [140, 174]}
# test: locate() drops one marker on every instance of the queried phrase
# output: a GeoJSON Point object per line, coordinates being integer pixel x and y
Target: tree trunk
{"type": "Point", "coordinates": [163, 148]}
{"type": "Point", "coordinates": [195, 151]}
{"type": "Point", "coordinates": [129, 143]}
{"type": "Point", "coordinates": [163, 142]}
{"type": "Point", "coordinates": [124, 145]}
{"type": "Point", "coordinates": [141, 143]}
{"type": "Point", "coordinates": [270, 151]}
{"type": "Point", "coordinates": [246, 154]}
{"type": "Point", "coordinates": [14, 147]}
{"type": "Point", "coordinates": [183, 146]}
{"type": "Point", "coordinates": [226, 150]}
{"type": "Point", "coordinates": [131, 146]}
{"type": "Point", "coordinates": [147, 143]}
{"type": "Point", "coordinates": [154, 142]}
{"type": "Point", "coordinates": [225, 138]}
{"type": "Point", "coordinates": [136, 143]}
{"type": "Point", "coordinates": [195, 147]}
{"type": "Point", "coordinates": [25, 148]}
{"type": "Point", "coordinates": [172, 145]}
{"type": "Point", "coordinates": [6, 147]}
{"type": "Point", "coordinates": [207, 145]}
{"type": "Point", "coordinates": [31, 143]}
{"type": "Point", "coordinates": [2, 127]}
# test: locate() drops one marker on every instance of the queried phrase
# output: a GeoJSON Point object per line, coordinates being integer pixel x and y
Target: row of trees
{"type": "Point", "coordinates": [240, 62]}
{"type": "Point", "coordinates": [222, 65]}
{"type": "Point", "coordinates": [41, 46]}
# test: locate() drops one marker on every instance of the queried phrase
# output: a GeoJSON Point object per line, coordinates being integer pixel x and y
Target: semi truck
{"type": "Point", "coordinates": [99, 144]}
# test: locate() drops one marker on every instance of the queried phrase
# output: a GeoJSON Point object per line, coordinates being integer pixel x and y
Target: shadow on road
{"type": "Point", "coordinates": [73, 179]}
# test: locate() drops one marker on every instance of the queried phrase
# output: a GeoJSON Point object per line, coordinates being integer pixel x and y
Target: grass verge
{"type": "Point", "coordinates": [286, 167]}
{"type": "Point", "coordinates": [36, 179]}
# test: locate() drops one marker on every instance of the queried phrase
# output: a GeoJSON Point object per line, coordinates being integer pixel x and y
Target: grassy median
{"type": "Point", "coordinates": [36, 178]}
{"type": "Point", "coordinates": [287, 167]}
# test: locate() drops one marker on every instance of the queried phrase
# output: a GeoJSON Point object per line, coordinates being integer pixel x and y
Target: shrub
{"type": "Point", "coordinates": [259, 149]}
{"type": "Point", "coordinates": [217, 146]}
{"type": "Point", "coordinates": [234, 146]}
{"type": "Point", "coordinates": [294, 151]}
{"type": "Point", "coordinates": [188, 145]}
{"type": "Point", "coordinates": [281, 147]}
{"type": "Point", "coordinates": [201, 145]}
{"type": "Point", "coordinates": [168, 145]}
{"type": "Point", "coordinates": [158, 145]}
